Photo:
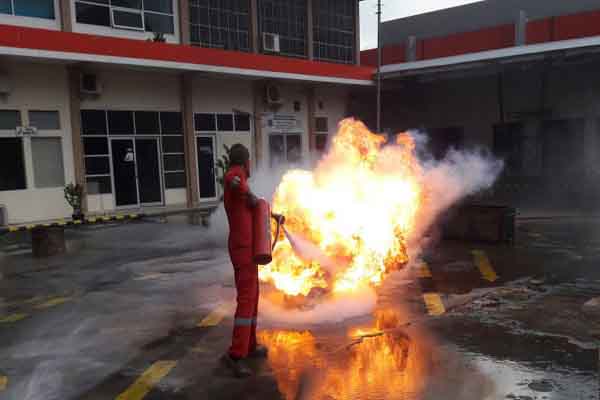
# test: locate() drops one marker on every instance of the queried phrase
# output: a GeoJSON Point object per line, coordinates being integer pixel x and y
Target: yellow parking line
{"type": "Point", "coordinates": [423, 270]}
{"type": "Point", "coordinates": [147, 380]}
{"type": "Point", "coordinates": [120, 217]}
{"type": "Point", "coordinates": [3, 382]}
{"type": "Point", "coordinates": [52, 302]}
{"type": "Point", "coordinates": [12, 318]}
{"type": "Point", "coordinates": [13, 228]}
{"type": "Point", "coordinates": [434, 304]}
{"type": "Point", "coordinates": [485, 266]}
{"type": "Point", "coordinates": [215, 317]}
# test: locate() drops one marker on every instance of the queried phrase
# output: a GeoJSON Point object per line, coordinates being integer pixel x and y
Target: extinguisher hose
{"type": "Point", "coordinates": [279, 219]}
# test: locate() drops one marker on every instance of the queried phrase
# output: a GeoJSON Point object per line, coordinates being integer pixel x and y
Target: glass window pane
{"type": "Point", "coordinates": [103, 183]}
{"type": "Point", "coordinates": [10, 119]}
{"type": "Point", "coordinates": [159, 23]}
{"type": "Point", "coordinates": [35, 8]}
{"type": "Point", "coordinates": [174, 162]}
{"type": "Point", "coordinates": [294, 148]}
{"type": "Point", "coordinates": [95, 146]}
{"type": "Point", "coordinates": [135, 4]}
{"type": "Point", "coordinates": [171, 123]}
{"type": "Point", "coordinates": [6, 7]}
{"type": "Point", "coordinates": [224, 122]}
{"type": "Point", "coordinates": [12, 165]}
{"type": "Point", "coordinates": [205, 122]}
{"type": "Point", "coordinates": [321, 142]}
{"type": "Point", "coordinates": [93, 122]}
{"type": "Point", "coordinates": [97, 166]}
{"type": "Point", "coordinates": [146, 123]}
{"type": "Point", "coordinates": [48, 170]}
{"type": "Point", "coordinates": [44, 119]}
{"type": "Point", "coordinates": [174, 180]}
{"type": "Point", "coordinates": [242, 122]}
{"type": "Point", "coordinates": [120, 123]}
{"type": "Point", "coordinates": [92, 14]}
{"type": "Point", "coordinates": [172, 144]}
{"type": "Point", "coordinates": [126, 19]}
{"type": "Point", "coordinates": [163, 6]}
{"type": "Point", "coordinates": [321, 124]}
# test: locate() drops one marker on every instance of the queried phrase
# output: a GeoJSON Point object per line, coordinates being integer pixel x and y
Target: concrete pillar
{"type": "Point", "coordinates": [357, 32]}
{"type": "Point", "coordinates": [184, 21]}
{"type": "Point", "coordinates": [258, 99]}
{"type": "Point", "coordinates": [310, 110]}
{"type": "Point", "coordinates": [521, 29]}
{"type": "Point", "coordinates": [74, 79]}
{"type": "Point", "coordinates": [309, 30]}
{"type": "Point", "coordinates": [191, 164]}
{"type": "Point", "coordinates": [66, 18]}
{"type": "Point", "coordinates": [254, 34]}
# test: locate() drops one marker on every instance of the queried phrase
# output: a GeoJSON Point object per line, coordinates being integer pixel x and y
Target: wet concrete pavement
{"type": "Point", "coordinates": [143, 311]}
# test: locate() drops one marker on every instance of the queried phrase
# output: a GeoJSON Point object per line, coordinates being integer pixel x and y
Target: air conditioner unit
{"type": "Point", "coordinates": [273, 95]}
{"type": "Point", "coordinates": [271, 42]}
{"type": "Point", "coordinates": [90, 84]}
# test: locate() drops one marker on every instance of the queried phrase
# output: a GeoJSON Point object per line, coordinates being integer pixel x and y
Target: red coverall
{"type": "Point", "coordinates": [239, 215]}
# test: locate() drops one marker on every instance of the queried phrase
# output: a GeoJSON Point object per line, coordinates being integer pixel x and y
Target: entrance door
{"type": "Point", "coordinates": [206, 167]}
{"type": "Point", "coordinates": [148, 170]}
{"type": "Point", "coordinates": [123, 159]}
{"type": "Point", "coordinates": [285, 148]}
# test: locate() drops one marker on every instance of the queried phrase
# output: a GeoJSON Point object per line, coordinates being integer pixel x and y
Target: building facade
{"type": "Point", "coordinates": [136, 99]}
{"type": "Point", "coordinates": [517, 78]}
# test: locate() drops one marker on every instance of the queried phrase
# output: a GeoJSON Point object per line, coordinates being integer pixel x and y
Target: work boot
{"type": "Point", "coordinates": [259, 352]}
{"type": "Point", "coordinates": [239, 369]}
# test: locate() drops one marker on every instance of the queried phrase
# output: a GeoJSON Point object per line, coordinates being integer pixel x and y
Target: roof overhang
{"type": "Point", "coordinates": [76, 47]}
{"type": "Point", "coordinates": [486, 58]}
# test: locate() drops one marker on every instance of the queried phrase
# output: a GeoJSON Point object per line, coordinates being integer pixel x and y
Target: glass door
{"type": "Point", "coordinates": [206, 167]}
{"type": "Point", "coordinates": [124, 172]}
{"type": "Point", "coordinates": [148, 170]}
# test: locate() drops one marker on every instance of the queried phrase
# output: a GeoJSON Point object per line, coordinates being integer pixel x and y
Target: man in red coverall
{"type": "Point", "coordinates": [239, 202]}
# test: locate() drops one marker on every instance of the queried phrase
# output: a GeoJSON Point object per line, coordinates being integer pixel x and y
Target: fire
{"type": "Point", "coordinates": [357, 206]}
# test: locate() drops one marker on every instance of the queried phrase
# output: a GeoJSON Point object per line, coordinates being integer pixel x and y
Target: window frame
{"type": "Point", "coordinates": [34, 20]}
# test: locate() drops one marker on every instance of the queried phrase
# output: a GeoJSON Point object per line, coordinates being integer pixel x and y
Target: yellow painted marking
{"type": "Point", "coordinates": [61, 223]}
{"type": "Point", "coordinates": [485, 266]}
{"type": "Point", "coordinates": [13, 228]}
{"type": "Point", "coordinates": [77, 222]}
{"type": "Point", "coordinates": [120, 217]}
{"type": "Point", "coordinates": [200, 349]}
{"type": "Point", "coordinates": [423, 270]}
{"type": "Point", "coordinates": [47, 225]}
{"type": "Point", "coordinates": [12, 318]}
{"type": "Point", "coordinates": [3, 382]}
{"type": "Point", "coordinates": [147, 380]}
{"type": "Point", "coordinates": [133, 215]}
{"type": "Point", "coordinates": [215, 317]}
{"type": "Point", "coordinates": [29, 227]}
{"type": "Point", "coordinates": [434, 304]}
{"type": "Point", "coordinates": [91, 219]}
{"type": "Point", "coordinates": [52, 302]}
{"type": "Point", "coordinates": [106, 218]}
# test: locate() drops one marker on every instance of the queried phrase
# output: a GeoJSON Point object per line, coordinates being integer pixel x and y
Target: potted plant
{"type": "Point", "coordinates": [74, 196]}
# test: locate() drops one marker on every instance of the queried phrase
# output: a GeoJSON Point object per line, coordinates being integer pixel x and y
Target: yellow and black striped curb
{"type": "Point", "coordinates": [72, 223]}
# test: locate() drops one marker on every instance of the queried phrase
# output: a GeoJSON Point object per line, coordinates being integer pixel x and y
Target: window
{"type": "Point", "coordinates": [205, 122]}
{"type": "Point", "coordinates": [171, 123]}
{"type": "Point", "coordinates": [220, 24]}
{"type": "Point", "coordinates": [120, 123]}
{"type": "Point", "coordinates": [28, 8]}
{"type": "Point", "coordinates": [224, 122]}
{"type": "Point", "coordinates": [147, 123]}
{"type": "Point", "coordinates": [285, 148]}
{"type": "Point", "coordinates": [44, 120]}
{"type": "Point", "coordinates": [286, 18]}
{"type": "Point", "coordinates": [173, 144]}
{"type": "Point", "coordinates": [10, 119]}
{"type": "Point", "coordinates": [321, 142]}
{"type": "Point", "coordinates": [93, 122]}
{"type": "Point", "coordinates": [148, 15]}
{"type": "Point", "coordinates": [95, 146]}
{"type": "Point", "coordinates": [242, 122]}
{"type": "Point", "coordinates": [12, 164]}
{"type": "Point", "coordinates": [321, 124]}
{"type": "Point", "coordinates": [48, 170]}
{"type": "Point", "coordinates": [99, 184]}
{"type": "Point", "coordinates": [334, 30]}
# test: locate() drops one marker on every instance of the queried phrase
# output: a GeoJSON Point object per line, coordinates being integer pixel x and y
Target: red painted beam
{"type": "Point", "coordinates": [577, 25]}
{"type": "Point", "coordinates": [540, 31]}
{"type": "Point", "coordinates": [42, 39]}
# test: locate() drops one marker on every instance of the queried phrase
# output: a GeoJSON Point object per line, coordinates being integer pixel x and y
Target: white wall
{"type": "Point", "coordinates": [137, 91]}
{"type": "Point", "coordinates": [124, 33]}
{"type": "Point", "coordinates": [39, 87]}
{"type": "Point", "coordinates": [334, 100]}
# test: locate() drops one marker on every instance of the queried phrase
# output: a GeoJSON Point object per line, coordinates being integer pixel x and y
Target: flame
{"type": "Point", "coordinates": [358, 207]}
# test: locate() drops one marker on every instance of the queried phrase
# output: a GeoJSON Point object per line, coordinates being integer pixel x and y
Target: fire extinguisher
{"type": "Point", "coordinates": [261, 216]}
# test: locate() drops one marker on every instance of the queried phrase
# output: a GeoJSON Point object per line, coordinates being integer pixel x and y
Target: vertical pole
{"type": "Point", "coordinates": [74, 76]}
{"type": "Point", "coordinates": [310, 53]}
{"type": "Point", "coordinates": [378, 66]}
{"type": "Point", "coordinates": [184, 22]}
{"type": "Point", "coordinates": [191, 163]}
